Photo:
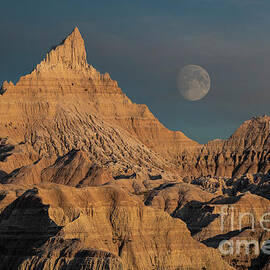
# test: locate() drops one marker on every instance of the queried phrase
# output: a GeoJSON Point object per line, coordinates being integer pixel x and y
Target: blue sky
{"type": "Point", "coordinates": [144, 44]}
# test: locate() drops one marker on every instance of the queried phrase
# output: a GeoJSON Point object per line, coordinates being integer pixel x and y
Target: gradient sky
{"type": "Point", "coordinates": [144, 44]}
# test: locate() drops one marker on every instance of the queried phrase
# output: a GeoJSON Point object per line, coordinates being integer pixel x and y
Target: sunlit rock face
{"type": "Point", "coordinates": [246, 151]}
{"type": "Point", "coordinates": [60, 227]}
{"type": "Point", "coordinates": [42, 117]}
{"type": "Point", "coordinates": [44, 110]}
{"type": "Point", "coordinates": [87, 176]}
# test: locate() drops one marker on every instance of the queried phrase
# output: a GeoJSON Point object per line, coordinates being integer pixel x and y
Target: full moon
{"type": "Point", "coordinates": [193, 82]}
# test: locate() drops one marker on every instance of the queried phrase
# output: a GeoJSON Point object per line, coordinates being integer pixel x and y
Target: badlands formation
{"type": "Point", "coordinates": [91, 180]}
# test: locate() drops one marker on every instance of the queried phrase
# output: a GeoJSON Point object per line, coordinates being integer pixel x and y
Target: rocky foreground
{"type": "Point", "coordinates": [91, 180]}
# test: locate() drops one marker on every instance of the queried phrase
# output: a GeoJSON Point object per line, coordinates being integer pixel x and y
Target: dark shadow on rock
{"type": "Point", "coordinates": [5, 151]}
{"type": "Point", "coordinates": [85, 259]}
{"type": "Point", "coordinates": [67, 158]}
{"type": "Point", "coordinates": [155, 177]}
{"type": "Point", "coordinates": [13, 174]}
{"type": "Point", "coordinates": [24, 226]}
{"type": "Point", "coordinates": [3, 195]}
{"type": "Point", "coordinates": [214, 241]}
{"type": "Point", "coordinates": [149, 196]}
{"type": "Point", "coordinates": [196, 215]}
{"type": "Point", "coordinates": [165, 185]}
{"type": "Point", "coordinates": [125, 176]}
{"type": "Point", "coordinates": [226, 200]}
{"type": "Point", "coordinates": [3, 174]}
{"type": "Point", "coordinates": [261, 261]}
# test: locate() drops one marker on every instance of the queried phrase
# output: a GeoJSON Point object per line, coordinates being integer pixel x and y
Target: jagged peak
{"type": "Point", "coordinates": [76, 32]}
{"type": "Point", "coordinates": [4, 86]}
{"type": "Point", "coordinates": [70, 53]}
{"type": "Point", "coordinates": [256, 120]}
{"type": "Point", "coordinates": [262, 118]}
{"type": "Point", "coordinates": [65, 61]}
{"type": "Point", "coordinates": [252, 133]}
{"type": "Point", "coordinates": [75, 36]}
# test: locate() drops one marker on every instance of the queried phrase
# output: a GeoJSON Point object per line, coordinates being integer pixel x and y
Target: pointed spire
{"type": "Point", "coordinates": [76, 33]}
{"type": "Point", "coordinates": [76, 30]}
{"type": "Point", "coordinates": [70, 53]}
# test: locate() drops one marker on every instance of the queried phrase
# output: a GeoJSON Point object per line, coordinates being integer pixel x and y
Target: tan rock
{"type": "Point", "coordinates": [47, 222]}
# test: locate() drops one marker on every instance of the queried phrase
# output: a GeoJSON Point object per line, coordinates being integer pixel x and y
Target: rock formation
{"type": "Point", "coordinates": [63, 91]}
{"type": "Point", "coordinates": [91, 180]}
{"type": "Point", "coordinates": [39, 114]}
{"type": "Point", "coordinates": [246, 151]}
{"type": "Point", "coordinates": [59, 225]}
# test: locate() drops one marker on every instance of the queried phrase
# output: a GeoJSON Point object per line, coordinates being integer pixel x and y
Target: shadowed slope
{"type": "Point", "coordinates": [96, 223]}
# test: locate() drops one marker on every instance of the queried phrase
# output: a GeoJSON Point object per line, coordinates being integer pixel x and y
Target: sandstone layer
{"type": "Point", "coordinates": [52, 226]}
{"type": "Point", "coordinates": [91, 180]}
{"type": "Point", "coordinates": [57, 108]}
{"type": "Point", "coordinates": [44, 109]}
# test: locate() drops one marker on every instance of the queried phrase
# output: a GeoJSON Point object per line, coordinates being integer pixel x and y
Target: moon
{"type": "Point", "coordinates": [193, 82]}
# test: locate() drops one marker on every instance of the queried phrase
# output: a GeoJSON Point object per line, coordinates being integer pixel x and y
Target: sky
{"type": "Point", "coordinates": [145, 44]}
